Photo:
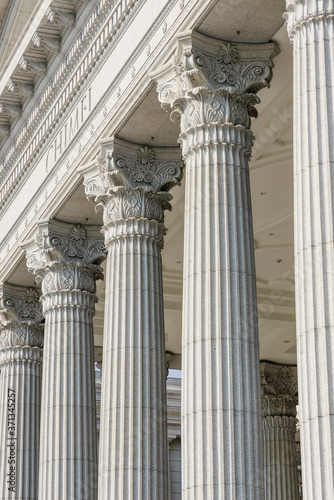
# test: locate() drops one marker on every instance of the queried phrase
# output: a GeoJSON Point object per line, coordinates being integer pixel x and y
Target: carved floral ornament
{"type": "Point", "coordinates": [65, 257]}
{"type": "Point", "coordinates": [279, 390]}
{"type": "Point", "coordinates": [130, 182]}
{"type": "Point", "coordinates": [21, 317]}
{"type": "Point", "coordinates": [227, 75]}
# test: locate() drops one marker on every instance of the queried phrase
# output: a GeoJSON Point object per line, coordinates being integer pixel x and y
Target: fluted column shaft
{"type": "Point", "coordinates": [311, 29]}
{"type": "Point", "coordinates": [133, 410]}
{"type": "Point", "coordinates": [68, 454]}
{"type": "Point", "coordinates": [280, 466]}
{"type": "Point", "coordinates": [279, 399]}
{"type": "Point", "coordinates": [131, 185]}
{"type": "Point", "coordinates": [21, 341]}
{"type": "Point", "coordinates": [213, 94]}
{"type": "Point", "coordinates": [221, 398]}
{"type": "Point", "coordinates": [65, 260]}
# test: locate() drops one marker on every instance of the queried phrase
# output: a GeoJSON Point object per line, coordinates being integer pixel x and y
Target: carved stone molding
{"type": "Point", "coordinates": [10, 110]}
{"type": "Point", "coordinates": [21, 317]}
{"type": "Point", "coordinates": [132, 182]}
{"type": "Point", "coordinates": [279, 390]}
{"type": "Point", "coordinates": [65, 256]}
{"type": "Point", "coordinates": [220, 79]}
{"type": "Point", "coordinates": [65, 18]}
{"type": "Point", "coordinates": [33, 66]}
{"type": "Point", "coordinates": [20, 88]}
{"type": "Point", "coordinates": [4, 130]}
{"type": "Point", "coordinates": [51, 43]}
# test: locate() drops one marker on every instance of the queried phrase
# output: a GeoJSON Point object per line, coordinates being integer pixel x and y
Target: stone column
{"type": "Point", "coordinates": [279, 399]}
{"type": "Point", "coordinates": [65, 259]}
{"type": "Point", "coordinates": [21, 342]}
{"type": "Point", "coordinates": [311, 29]}
{"type": "Point", "coordinates": [131, 184]}
{"type": "Point", "coordinates": [210, 85]}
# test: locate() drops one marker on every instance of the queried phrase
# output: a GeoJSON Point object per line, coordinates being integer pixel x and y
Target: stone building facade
{"type": "Point", "coordinates": [166, 250]}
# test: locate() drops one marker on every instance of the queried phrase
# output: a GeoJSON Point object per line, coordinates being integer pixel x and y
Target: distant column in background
{"type": "Point", "coordinates": [279, 399]}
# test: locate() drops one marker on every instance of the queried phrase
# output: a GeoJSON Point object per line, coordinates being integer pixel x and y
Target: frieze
{"type": "Point", "coordinates": [66, 164]}
{"type": "Point", "coordinates": [76, 62]}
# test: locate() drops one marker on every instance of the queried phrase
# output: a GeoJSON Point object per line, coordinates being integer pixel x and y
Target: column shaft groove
{"type": "Point", "coordinates": [220, 345]}
{"type": "Point", "coordinates": [133, 408]}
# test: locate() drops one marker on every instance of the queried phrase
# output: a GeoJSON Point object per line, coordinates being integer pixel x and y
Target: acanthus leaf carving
{"type": "Point", "coordinates": [66, 257]}
{"type": "Point", "coordinates": [129, 181]}
{"type": "Point", "coordinates": [202, 64]}
{"type": "Point", "coordinates": [21, 317]}
{"type": "Point", "coordinates": [279, 390]}
{"type": "Point", "coordinates": [33, 66]}
{"type": "Point", "coordinates": [20, 88]}
{"type": "Point", "coordinates": [65, 18]}
{"type": "Point", "coordinates": [51, 43]}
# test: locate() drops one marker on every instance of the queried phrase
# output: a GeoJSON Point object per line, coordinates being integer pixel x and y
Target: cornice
{"type": "Point", "coordinates": [63, 177]}
{"type": "Point", "coordinates": [41, 37]}
{"type": "Point", "coordinates": [96, 34]}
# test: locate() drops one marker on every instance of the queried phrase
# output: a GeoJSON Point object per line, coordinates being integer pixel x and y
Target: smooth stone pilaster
{"type": "Point", "coordinates": [21, 342]}
{"type": "Point", "coordinates": [210, 85]}
{"type": "Point", "coordinates": [131, 185]}
{"type": "Point", "coordinates": [311, 30]}
{"type": "Point", "coordinates": [279, 399]}
{"type": "Point", "coordinates": [66, 260]}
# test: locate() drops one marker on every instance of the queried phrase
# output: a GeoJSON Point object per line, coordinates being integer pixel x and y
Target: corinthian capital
{"type": "Point", "coordinates": [279, 390]}
{"type": "Point", "coordinates": [21, 316]}
{"type": "Point", "coordinates": [219, 70]}
{"type": "Point", "coordinates": [129, 181]}
{"type": "Point", "coordinates": [65, 256]}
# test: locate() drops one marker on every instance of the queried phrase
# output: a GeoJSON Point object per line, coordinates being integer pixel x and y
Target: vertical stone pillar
{"type": "Point", "coordinates": [65, 259]}
{"type": "Point", "coordinates": [210, 85]}
{"type": "Point", "coordinates": [131, 184]}
{"type": "Point", "coordinates": [279, 399]}
{"type": "Point", "coordinates": [21, 342]}
{"type": "Point", "coordinates": [311, 29]}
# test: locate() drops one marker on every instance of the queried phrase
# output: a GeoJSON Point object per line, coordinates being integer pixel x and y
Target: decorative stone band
{"type": "Point", "coordinates": [20, 354]}
{"type": "Point", "coordinates": [72, 300]}
{"type": "Point", "coordinates": [236, 140]}
{"type": "Point", "coordinates": [212, 81]}
{"type": "Point", "coordinates": [279, 390]}
{"type": "Point", "coordinates": [129, 229]}
{"type": "Point", "coordinates": [65, 257]}
{"type": "Point", "coordinates": [303, 13]}
{"type": "Point", "coordinates": [132, 182]}
{"type": "Point", "coordinates": [21, 316]}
